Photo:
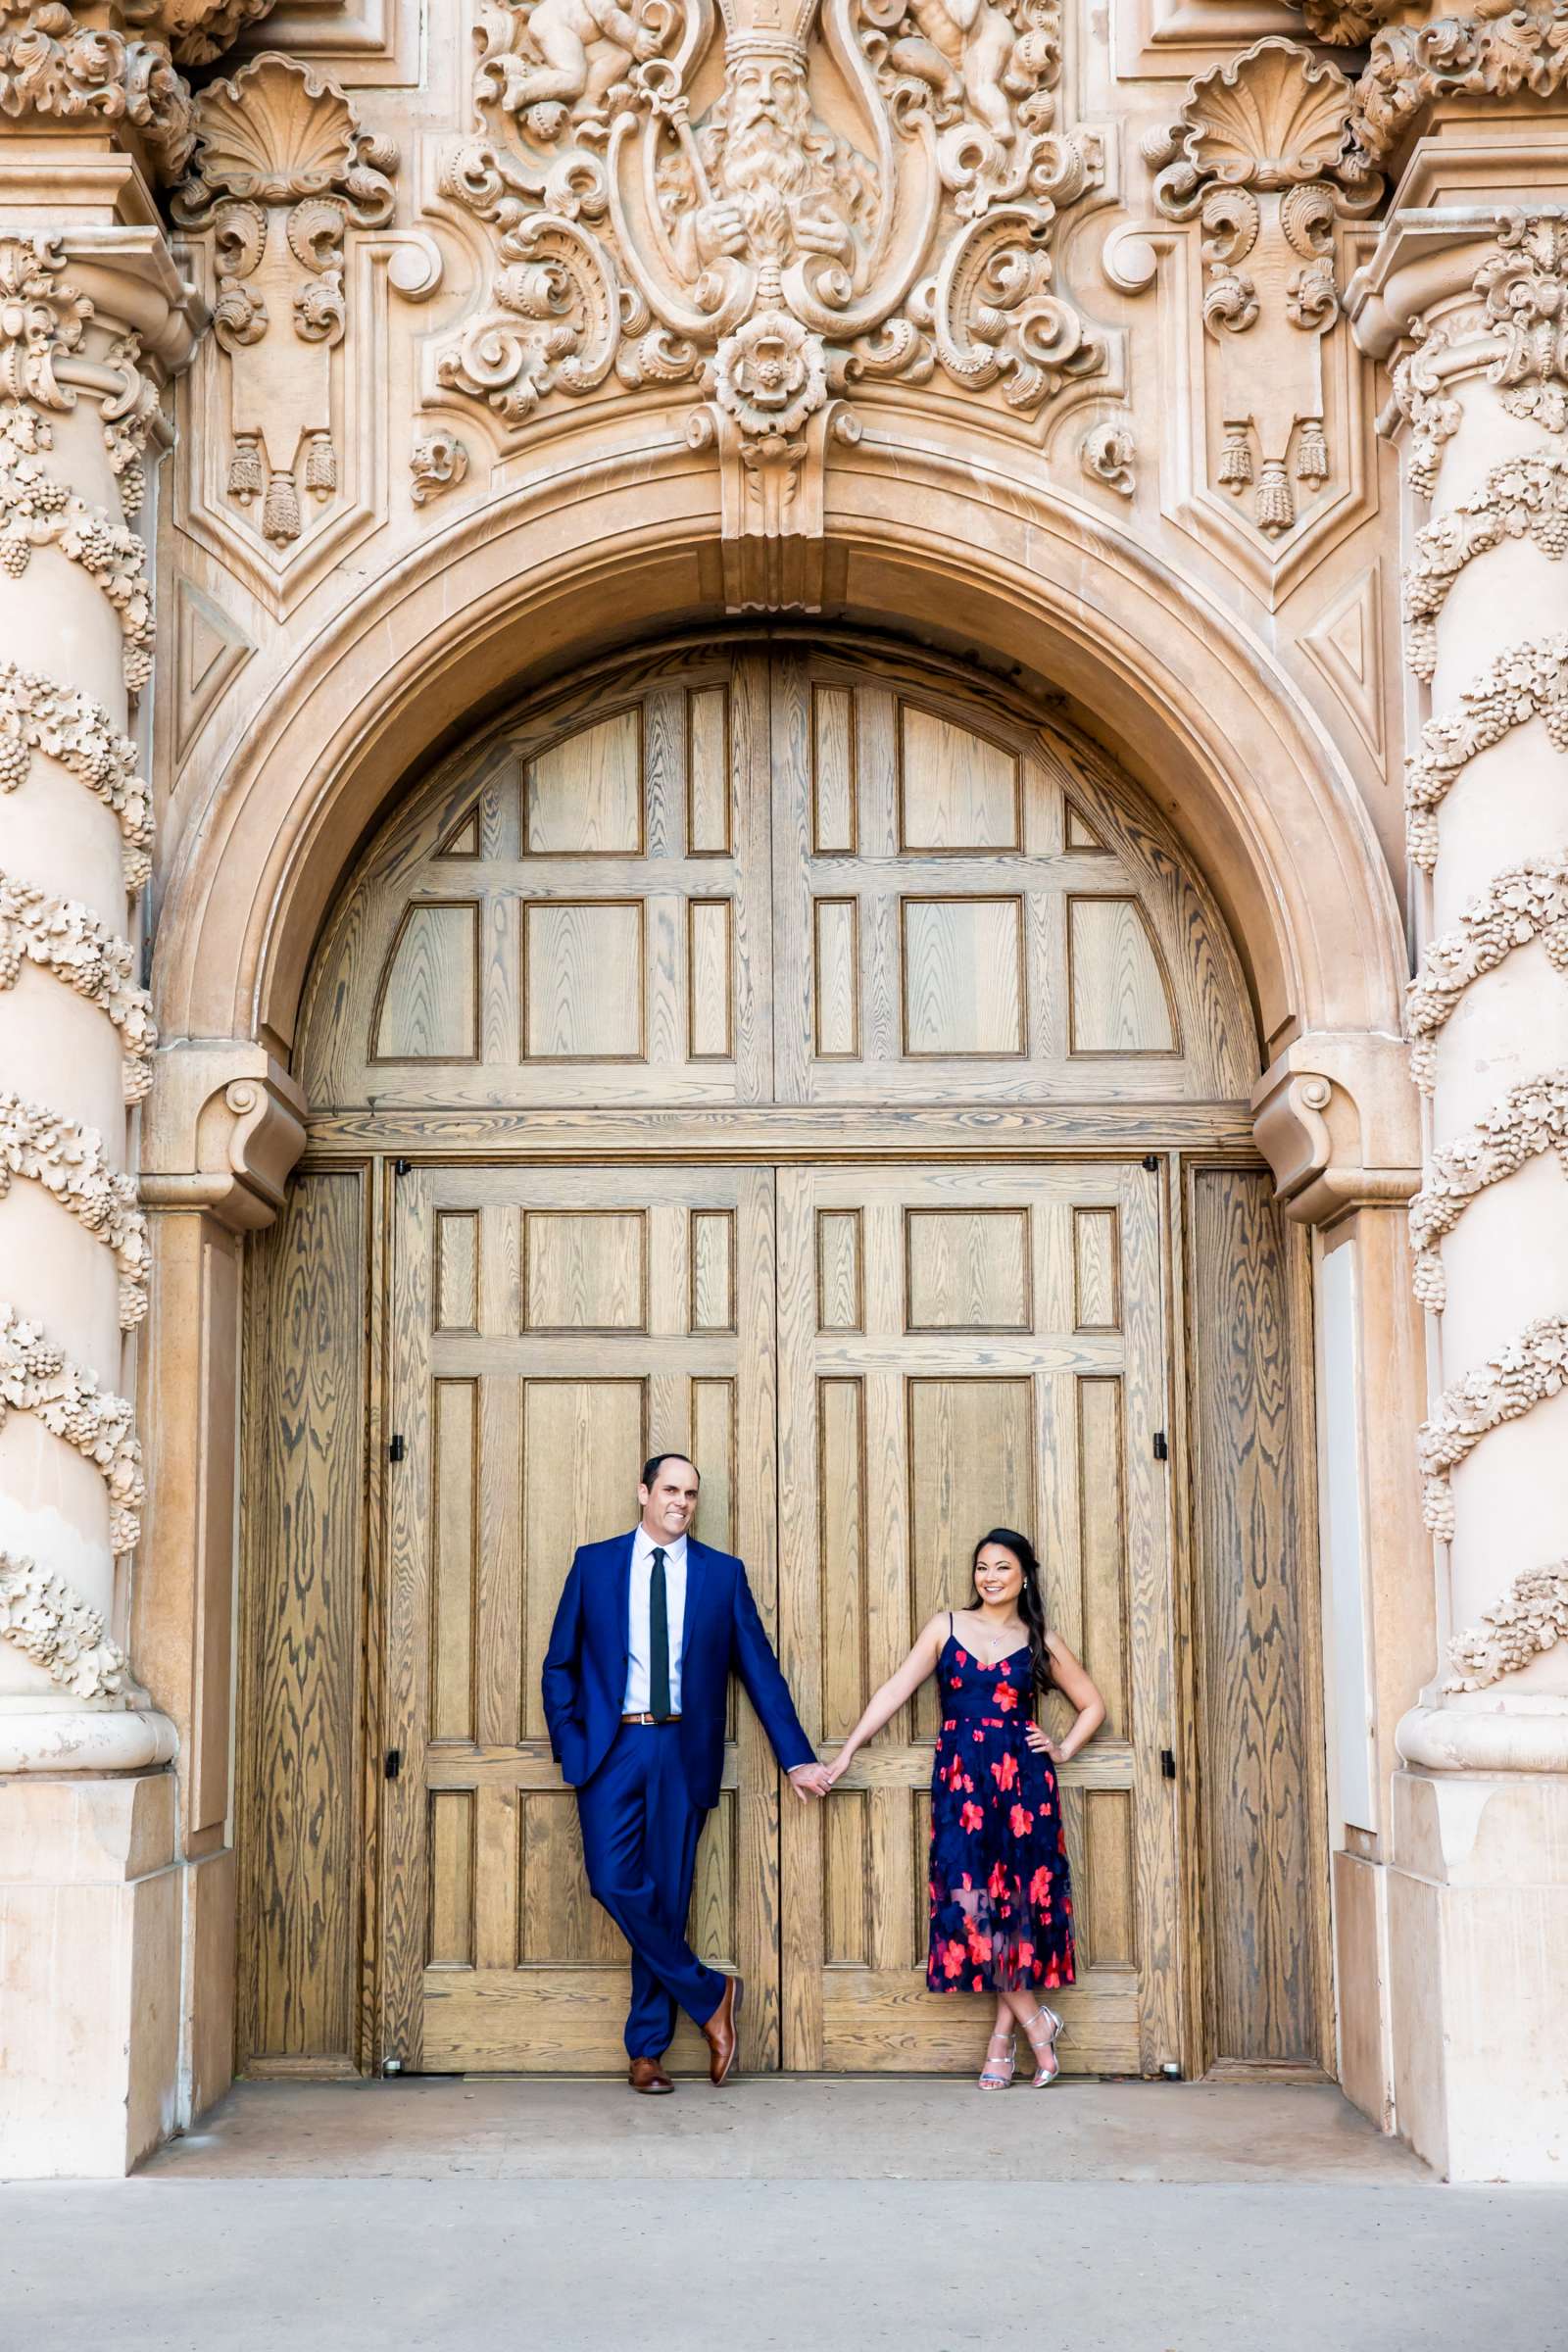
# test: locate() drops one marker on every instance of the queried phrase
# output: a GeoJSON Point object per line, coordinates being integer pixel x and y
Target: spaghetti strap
{"type": "Point", "coordinates": [952, 1636]}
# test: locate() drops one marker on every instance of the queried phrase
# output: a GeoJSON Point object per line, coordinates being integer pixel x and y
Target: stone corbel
{"type": "Point", "coordinates": [223, 1127]}
{"type": "Point", "coordinates": [771, 498]}
{"type": "Point", "coordinates": [1334, 1117]}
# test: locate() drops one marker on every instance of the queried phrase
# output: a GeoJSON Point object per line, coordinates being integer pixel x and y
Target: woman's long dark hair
{"type": "Point", "coordinates": [1031, 1608]}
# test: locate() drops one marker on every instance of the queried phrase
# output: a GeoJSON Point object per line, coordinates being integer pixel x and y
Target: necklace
{"type": "Point", "coordinates": [1002, 1654]}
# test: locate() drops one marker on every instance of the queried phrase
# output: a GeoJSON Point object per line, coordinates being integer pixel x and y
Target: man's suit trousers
{"type": "Point", "coordinates": [639, 1841]}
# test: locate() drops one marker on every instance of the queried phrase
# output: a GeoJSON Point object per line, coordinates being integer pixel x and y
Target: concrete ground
{"type": "Point", "coordinates": [849, 2215]}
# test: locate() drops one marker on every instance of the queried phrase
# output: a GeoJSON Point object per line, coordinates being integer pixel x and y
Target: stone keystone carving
{"type": "Point", "coordinates": [1255, 155]}
{"type": "Point", "coordinates": [868, 198]}
{"type": "Point", "coordinates": [283, 170]}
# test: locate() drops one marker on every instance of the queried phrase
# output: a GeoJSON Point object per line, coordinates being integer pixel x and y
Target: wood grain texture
{"type": "Point", "coordinates": [297, 1825]}
{"type": "Point", "coordinates": [737, 907]}
{"type": "Point", "coordinates": [1263, 1846]}
{"type": "Point", "coordinates": [898, 1446]}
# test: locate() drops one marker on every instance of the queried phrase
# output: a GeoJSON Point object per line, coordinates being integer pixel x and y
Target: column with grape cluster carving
{"type": "Point", "coordinates": [1471, 309]}
{"type": "Point", "coordinates": [78, 335]}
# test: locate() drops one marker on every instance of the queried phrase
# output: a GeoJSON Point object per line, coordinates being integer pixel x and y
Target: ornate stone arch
{"type": "Point", "coordinates": [549, 575]}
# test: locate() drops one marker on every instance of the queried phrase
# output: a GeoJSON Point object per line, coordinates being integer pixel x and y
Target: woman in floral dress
{"type": "Point", "coordinates": [1000, 1901]}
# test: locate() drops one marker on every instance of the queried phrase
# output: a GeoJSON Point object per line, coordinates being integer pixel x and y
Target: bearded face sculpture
{"type": "Point", "coordinates": [780, 184]}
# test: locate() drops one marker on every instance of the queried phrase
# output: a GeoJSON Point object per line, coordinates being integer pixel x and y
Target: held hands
{"type": "Point", "coordinates": [810, 1779]}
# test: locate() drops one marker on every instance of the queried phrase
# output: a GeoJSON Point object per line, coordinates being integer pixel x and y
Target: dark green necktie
{"type": "Point", "coordinates": [657, 1640]}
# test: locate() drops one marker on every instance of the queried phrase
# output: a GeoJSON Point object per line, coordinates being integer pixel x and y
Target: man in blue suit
{"type": "Point", "coordinates": [636, 1681]}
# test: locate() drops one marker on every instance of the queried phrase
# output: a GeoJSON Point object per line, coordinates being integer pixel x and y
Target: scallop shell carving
{"type": "Point", "coordinates": [275, 134]}
{"type": "Point", "coordinates": [1273, 115]}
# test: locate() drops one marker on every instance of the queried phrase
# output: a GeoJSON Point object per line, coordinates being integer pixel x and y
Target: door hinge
{"type": "Point", "coordinates": [402, 1167]}
{"type": "Point", "coordinates": [1167, 1763]}
{"type": "Point", "coordinates": [1162, 1448]}
{"type": "Point", "coordinates": [397, 1448]}
{"type": "Point", "coordinates": [1151, 1162]}
{"type": "Point", "coordinates": [394, 1762]}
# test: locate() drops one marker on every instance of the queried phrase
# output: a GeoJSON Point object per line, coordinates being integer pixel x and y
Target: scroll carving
{"type": "Point", "coordinates": [1496, 53]}
{"type": "Point", "coordinates": [874, 200]}
{"type": "Point", "coordinates": [1254, 158]}
{"type": "Point", "coordinates": [283, 170]}
{"type": "Point", "coordinates": [438, 461]}
{"type": "Point", "coordinates": [1109, 452]}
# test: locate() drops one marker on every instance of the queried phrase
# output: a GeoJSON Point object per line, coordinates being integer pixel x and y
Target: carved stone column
{"type": "Point", "coordinates": [94, 319]}
{"type": "Point", "coordinates": [1467, 300]}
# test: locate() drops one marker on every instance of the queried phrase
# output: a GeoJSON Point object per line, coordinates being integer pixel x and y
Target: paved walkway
{"type": "Point", "coordinates": [844, 2214]}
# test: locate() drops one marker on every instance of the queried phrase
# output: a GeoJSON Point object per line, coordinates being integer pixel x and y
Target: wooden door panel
{"type": "Point", "coordinates": [550, 1328]}
{"type": "Point", "coordinates": [969, 913]}
{"type": "Point", "coordinates": [937, 1378]}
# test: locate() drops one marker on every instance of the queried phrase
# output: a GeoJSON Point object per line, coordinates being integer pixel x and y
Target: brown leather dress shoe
{"type": "Point", "coordinates": [719, 2032]}
{"type": "Point", "coordinates": [647, 2075]}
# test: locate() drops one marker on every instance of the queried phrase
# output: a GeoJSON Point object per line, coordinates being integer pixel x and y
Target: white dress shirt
{"type": "Point", "coordinates": [639, 1637]}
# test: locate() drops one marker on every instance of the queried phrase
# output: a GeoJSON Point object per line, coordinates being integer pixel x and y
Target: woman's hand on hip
{"type": "Point", "coordinates": [1042, 1744]}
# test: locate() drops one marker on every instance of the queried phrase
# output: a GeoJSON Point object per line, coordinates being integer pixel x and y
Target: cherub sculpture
{"type": "Point", "coordinates": [584, 47]}
{"type": "Point", "coordinates": [964, 49]}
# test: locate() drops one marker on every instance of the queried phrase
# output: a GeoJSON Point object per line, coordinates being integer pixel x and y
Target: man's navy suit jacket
{"type": "Point", "coordinates": [584, 1677]}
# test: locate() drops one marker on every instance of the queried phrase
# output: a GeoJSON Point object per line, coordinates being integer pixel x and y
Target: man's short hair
{"type": "Point", "coordinates": [655, 1462]}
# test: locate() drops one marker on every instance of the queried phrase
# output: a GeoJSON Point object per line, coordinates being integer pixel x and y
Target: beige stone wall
{"type": "Point", "coordinates": [536, 329]}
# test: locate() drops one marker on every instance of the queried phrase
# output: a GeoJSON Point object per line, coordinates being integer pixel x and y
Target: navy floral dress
{"type": "Point", "coordinates": [1000, 1902]}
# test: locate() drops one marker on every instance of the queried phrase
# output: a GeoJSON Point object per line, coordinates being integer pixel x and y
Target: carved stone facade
{"type": "Point", "coordinates": [398, 363]}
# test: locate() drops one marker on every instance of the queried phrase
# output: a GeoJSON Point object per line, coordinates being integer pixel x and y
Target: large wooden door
{"type": "Point", "coordinates": [548, 1330]}
{"type": "Point", "coordinates": [725, 933]}
{"type": "Point", "coordinates": [958, 1349]}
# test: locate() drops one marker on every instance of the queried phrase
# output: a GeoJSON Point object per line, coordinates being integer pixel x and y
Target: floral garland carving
{"type": "Point", "coordinates": [1522, 333]}
{"type": "Point", "coordinates": [69, 1161]}
{"type": "Point", "coordinates": [1532, 1617]}
{"type": "Point", "coordinates": [54, 68]}
{"type": "Point", "coordinates": [37, 716]}
{"type": "Point", "coordinates": [1507, 1386]}
{"type": "Point", "coordinates": [36, 1378]}
{"type": "Point", "coordinates": [1531, 1118]}
{"type": "Point", "coordinates": [63, 936]}
{"type": "Point", "coordinates": [1525, 903]}
{"type": "Point", "coordinates": [45, 1617]}
{"type": "Point", "coordinates": [1528, 681]}
{"type": "Point", "coordinates": [1515, 52]}
{"type": "Point", "coordinates": [1523, 496]}
{"type": "Point", "coordinates": [36, 511]}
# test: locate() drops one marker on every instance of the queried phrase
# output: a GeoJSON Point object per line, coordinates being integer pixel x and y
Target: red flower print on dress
{"type": "Point", "coordinates": [997, 1884]}
{"type": "Point", "coordinates": [1022, 1821]}
{"type": "Point", "coordinates": [970, 1818]}
{"type": "Point", "coordinates": [956, 1684]}
{"type": "Point", "coordinates": [1005, 1771]}
{"type": "Point", "coordinates": [962, 1656]}
{"type": "Point", "coordinates": [1040, 1885]}
{"type": "Point", "coordinates": [953, 1959]}
{"type": "Point", "coordinates": [1007, 1697]}
{"type": "Point", "coordinates": [979, 1942]}
{"type": "Point", "coordinates": [978, 1732]}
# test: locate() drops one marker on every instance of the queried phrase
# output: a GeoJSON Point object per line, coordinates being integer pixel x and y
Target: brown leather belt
{"type": "Point", "coordinates": [650, 1719]}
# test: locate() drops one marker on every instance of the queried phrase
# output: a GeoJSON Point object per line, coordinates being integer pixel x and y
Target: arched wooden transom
{"type": "Point", "coordinates": [737, 876]}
